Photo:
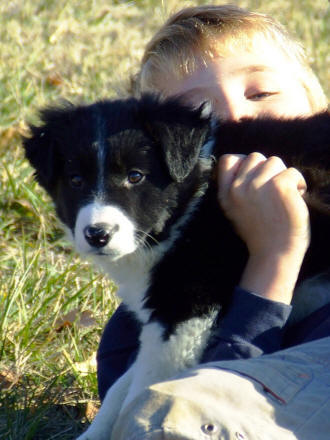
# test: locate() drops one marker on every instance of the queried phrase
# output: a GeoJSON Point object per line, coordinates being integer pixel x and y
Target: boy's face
{"type": "Point", "coordinates": [246, 83]}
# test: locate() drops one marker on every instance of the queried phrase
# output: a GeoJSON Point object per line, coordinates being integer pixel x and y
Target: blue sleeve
{"type": "Point", "coordinates": [118, 348]}
{"type": "Point", "coordinates": [252, 326]}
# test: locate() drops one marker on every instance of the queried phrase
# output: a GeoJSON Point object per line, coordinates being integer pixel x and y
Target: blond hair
{"type": "Point", "coordinates": [210, 31]}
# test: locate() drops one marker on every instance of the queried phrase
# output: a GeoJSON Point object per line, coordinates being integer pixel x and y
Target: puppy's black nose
{"type": "Point", "coordinates": [99, 234]}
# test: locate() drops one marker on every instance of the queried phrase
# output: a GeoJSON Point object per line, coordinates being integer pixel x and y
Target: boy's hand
{"type": "Point", "coordinates": [264, 201]}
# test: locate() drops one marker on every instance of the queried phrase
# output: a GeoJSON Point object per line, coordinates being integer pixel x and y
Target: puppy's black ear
{"type": "Point", "coordinates": [43, 145]}
{"type": "Point", "coordinates": [40, 151]}
{"type": "Point", "coordinates": [181, 145]}
{"type": "Point", "coordinates": [181, 132]}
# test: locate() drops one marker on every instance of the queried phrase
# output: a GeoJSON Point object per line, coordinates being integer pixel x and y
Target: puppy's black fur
{"type": "Point", "coordinates": [175, 200]}
{"type": "Point", "coordinates": [208, 257]}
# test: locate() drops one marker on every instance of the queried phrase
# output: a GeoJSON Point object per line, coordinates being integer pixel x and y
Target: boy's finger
{"type": "Point", "coordinates": [292, 178]}
{"type": "Point", "coordinates": [228, 166]}
{"type": "Point", "coordinates": [266, 170]}
{"type": "Point", "coordinates": [248, 168]}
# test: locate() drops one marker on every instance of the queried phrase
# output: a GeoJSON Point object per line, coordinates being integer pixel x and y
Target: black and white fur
{"type": "Point", "coordinates": [133, 183]}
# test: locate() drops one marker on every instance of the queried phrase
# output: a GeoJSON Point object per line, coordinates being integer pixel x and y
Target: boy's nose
{"type": "Point", "coordinates": [229, 110]}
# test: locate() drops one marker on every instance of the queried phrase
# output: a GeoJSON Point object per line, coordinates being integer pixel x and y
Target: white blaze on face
{"type": "Point", "coordinates": [122, 241]}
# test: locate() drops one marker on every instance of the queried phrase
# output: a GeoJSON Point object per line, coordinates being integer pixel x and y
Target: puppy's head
{"type": "Point", "coordinates": [119, 172]}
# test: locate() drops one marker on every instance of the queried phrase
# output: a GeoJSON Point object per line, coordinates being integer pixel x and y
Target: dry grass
{"type": "Point", "coordinates": [77, 50]}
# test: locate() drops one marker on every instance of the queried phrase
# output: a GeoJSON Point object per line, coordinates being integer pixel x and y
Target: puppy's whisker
{"type": "Point", "coordinates": [146, 234]}
{"type": "Point", "coordinates": [143, 245]}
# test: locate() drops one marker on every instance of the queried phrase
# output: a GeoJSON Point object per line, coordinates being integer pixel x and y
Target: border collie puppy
{"type": "Point", "coordinates": [132, 183]}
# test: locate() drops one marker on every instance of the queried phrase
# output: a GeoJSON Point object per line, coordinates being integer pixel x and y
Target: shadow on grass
{"type": "Point", "coordinates": [49, 412]}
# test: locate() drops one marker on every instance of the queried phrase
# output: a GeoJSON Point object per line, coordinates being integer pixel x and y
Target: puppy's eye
{"type": "Point", "coordinates": [76, 181]}
{"type": "Point", "coordinates": [134, 176]}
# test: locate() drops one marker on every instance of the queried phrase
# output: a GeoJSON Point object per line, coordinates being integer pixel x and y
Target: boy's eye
{"type": "Point", "coordinates": [134, 176]}
{"type": "Point", "coordinates": [261, 95]}
{"type": "Point", "coordinates": [76, 181]}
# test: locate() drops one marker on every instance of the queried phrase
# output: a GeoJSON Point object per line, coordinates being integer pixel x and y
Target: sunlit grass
{"type": "Point", "coordinates": [76, 50]}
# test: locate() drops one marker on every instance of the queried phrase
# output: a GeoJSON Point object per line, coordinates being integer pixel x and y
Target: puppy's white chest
{"type": "Point", "coordinates": [160, 359]}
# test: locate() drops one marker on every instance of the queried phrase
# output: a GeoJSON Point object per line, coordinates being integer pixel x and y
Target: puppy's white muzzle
{"type": "Point", "coordinates": [104, 230]}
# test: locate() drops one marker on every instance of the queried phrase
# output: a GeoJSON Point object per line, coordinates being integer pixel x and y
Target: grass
{"type": "Point", "coordinates": [52, 305]}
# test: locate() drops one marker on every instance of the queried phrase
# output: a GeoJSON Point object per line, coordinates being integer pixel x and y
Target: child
{"type": "Point", "coordinates": [244, 64]}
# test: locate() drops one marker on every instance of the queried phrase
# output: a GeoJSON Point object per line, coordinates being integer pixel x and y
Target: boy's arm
{"type": "Point", "coordinates": [253, 325]}
{"type": "Point", "coordinates": [118, 348]}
